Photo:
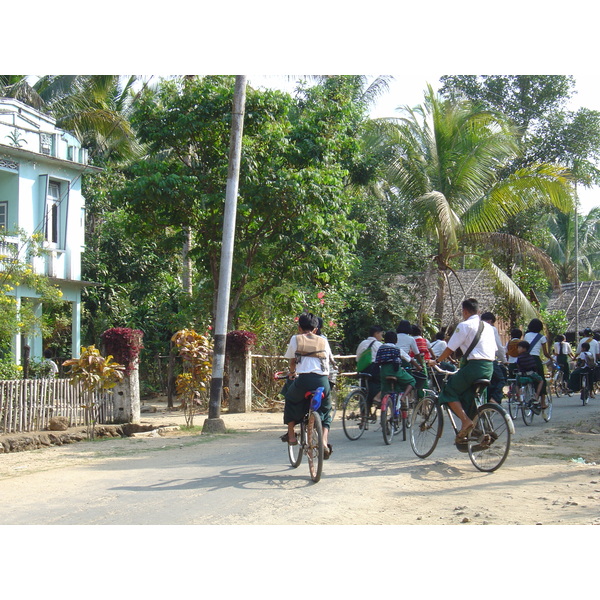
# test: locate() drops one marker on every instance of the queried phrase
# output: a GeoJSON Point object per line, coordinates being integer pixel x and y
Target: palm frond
{"type": "Point", "coordinates": [513, 293]}
{"type": "Point", "coordinates": [516, 247]}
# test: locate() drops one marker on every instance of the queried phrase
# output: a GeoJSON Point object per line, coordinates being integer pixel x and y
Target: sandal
{"type": "Point", "coordinates": [463, 434]}
{"type": "Point", "coordinates": [327, 451]}
{"type": "Point", "coordinates": [285, 438]}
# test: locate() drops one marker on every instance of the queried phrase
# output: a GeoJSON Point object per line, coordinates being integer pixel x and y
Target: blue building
{"type": "Point", "coordinates": [41, 168]}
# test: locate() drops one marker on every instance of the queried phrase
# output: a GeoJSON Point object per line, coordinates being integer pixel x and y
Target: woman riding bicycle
{"type": "Point", "coordinates": [309, 355]}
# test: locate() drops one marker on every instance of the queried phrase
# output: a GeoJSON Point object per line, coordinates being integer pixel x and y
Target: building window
{"type": "Point", "coordinates": [52, 212]}
{"type": "Point", "coordinates": [3, 216]}
{"type": "Point", "coordinates": [47, 144]}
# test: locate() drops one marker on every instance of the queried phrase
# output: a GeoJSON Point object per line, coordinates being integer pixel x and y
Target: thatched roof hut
{"type": "Point", "coordinates": [589, 304]}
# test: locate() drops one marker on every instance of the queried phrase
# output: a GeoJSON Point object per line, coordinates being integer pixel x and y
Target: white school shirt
{"type": "Point", "coordinates": [407, 343]}
{"type": "Point", "coordinates": [465, 333]}
{"type": "Point", "coordinates": [438, 346]}
{"type": "Point", "coordinates": [593, 346]}
{"type": "Point", "coordinates": [365, 344]}
{"type": "Point", "coordinates": [537, 349]}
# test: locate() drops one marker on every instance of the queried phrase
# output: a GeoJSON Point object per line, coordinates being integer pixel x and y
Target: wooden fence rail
{"type": "Point", "coordinates": [29, 404]}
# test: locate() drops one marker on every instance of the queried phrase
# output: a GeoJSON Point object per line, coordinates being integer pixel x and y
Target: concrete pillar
{"type": "Point", "coordinates": [240, 383]}
{"type": "Point", "coordinates": [126, 398]}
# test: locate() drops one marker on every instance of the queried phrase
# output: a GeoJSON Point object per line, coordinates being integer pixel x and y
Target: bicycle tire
{"type": "Point", "coordinates": [295, 452]}
{"type": "Point", "coordinates": [547, 412]}
{"type": "Point", "coordinates": [354, 414]}
{"type": "Point", "coordinates": [334, 401]}
{"type": "Point", "coordinates": [426, 426]}
{"type": "Point", "coordinates": [514, 404]}
{"type": "Point", "coordinates": [314, 445]}
{"type": "Point", "coordinates": [489, 443]}
{"type": "Point", "coordinates": [387, 417]}
{"type": "Point", "coordinates": [584, 390]}
{"type": "Point", "coordinates": [526, 410]}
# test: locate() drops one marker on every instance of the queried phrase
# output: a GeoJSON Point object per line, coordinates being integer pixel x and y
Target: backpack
{"type": "Point", "coordinates": [311, 345]}
{"type": "Point", "coordinates": [365, 359]}
{"type": "Point", "coordinates": [511, 348]}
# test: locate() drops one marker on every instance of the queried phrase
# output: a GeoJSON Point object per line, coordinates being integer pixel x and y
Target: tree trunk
{"type": "Point", "coordinates": [186, 271]}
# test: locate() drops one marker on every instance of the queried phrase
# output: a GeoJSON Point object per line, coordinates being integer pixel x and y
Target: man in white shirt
{"type": "Point", "coordinates": [476, 364]}
{"type": "Point", "coordinates": [372, 343]}
{"type": "Point", "coordinates": [496, 390]}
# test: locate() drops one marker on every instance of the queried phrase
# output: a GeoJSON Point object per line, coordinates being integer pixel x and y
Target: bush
{"type": "Point", "coordinates": [9, 370]}
{"type": "Point", "coordinates": [124, 345]}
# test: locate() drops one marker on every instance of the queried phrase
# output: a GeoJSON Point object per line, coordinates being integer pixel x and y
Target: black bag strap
{"type": "Point", "coordinates": [535, 340]}
{"type": "Point", "coordinates": [475, 340]}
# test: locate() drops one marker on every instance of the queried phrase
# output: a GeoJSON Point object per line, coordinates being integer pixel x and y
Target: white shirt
{"type": "Point", "coordinates": [408, 344]}
{"type": "Point", "coordinates": [534, 350]}
{"type": "Point", "coordinates": [593, 346]}
{"type": "Point", "coordinates": [566, 348]}
{"type": "Point", "coordinates": [438, 347]}
{"type": "Point", "coordinates": [365, 344]}
{"type": "Point", "coordinates": [309, 364]}
{"type": "Point", "coordinates": [500, 352]}
{"type": "Point", "coordinates": [465, 332]}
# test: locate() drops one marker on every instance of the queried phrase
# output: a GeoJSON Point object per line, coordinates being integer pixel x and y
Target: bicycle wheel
{"type": "Point", "coordinates": [387, 417]}
{"type": "Point", "coordinates": [295, 452]}
{"type": "Point", "coordinates": [334, 402]}
{"type": "Point", "coordinates": [547, 412]}
{"type": "Point", "coordinates": [426, 426]}
{"type": "Point", "coordinates": [564, 389]}
{"type": "Point", "coordinates": [314, 445]}
{"type": "Point", "coordinates": [354, 414]}
{"type": "Point", "coordinates": [489, 443]}
{"type": "Point", "coordinates": [584, 390]}
{"type": "Point", "coordinates": [514, 403]}
{"type": "Point", "coordinates": [526, 410]}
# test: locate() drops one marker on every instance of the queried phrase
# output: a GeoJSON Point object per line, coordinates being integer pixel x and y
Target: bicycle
{"type": "Point", "coordinates": [586, 388]}
{"type": "Point", "coordinates": [513, 399]}
{"type": "Point", "coordinates": [529, 407]}
{"type": "Point", "coordinates": [356, 415]}
{"type": "Point", "coordinates": [557, 381]}
{"type": "Point", "coordinates": [394, 412]}
{"type": "Point", "coordinates": [309, 433]}
{"type": "Point", "coordinates": [489, 442]}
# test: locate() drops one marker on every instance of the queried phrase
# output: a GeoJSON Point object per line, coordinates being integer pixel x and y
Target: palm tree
{"type": "Point", "coordinates": [561, 247]}
{"type": "Point", "coordinates": [445, 156]}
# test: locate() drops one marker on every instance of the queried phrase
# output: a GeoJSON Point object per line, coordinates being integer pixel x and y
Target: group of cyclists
{"type": "Point", "coordinates": [474, 351]}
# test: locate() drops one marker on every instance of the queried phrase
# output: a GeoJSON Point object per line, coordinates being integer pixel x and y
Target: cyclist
{"type": "Point", "coordinates": [527, 367]}
{"type": "Point", "coordinates": [538, 344]}
{"type": "Point", "coordinates": [585, 360]}
{"type": "Point", "coordinates": [511, 351]}
{"type": "Point", "coordinates": [563, 352]}
{"type": "Point", "coordinates": [476, 340]}
{"type": "Point", "coordinates": [390, 359]}
{"type": "Point", "coordinates": [372, 343]}
{"type": "Point", "coordinates": [308, 355]}
{"type": "Point", "coordinates": [496, 389]}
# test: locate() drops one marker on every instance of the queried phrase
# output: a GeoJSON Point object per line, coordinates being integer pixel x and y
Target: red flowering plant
{"type": "Point", "coordinates": [124, 344]}
{"type": "Point", "coordinates": [239, 342]}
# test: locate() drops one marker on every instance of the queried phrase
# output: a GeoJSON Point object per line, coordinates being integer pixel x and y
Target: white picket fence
{"type": "Point", "coordinates": [29, 404]}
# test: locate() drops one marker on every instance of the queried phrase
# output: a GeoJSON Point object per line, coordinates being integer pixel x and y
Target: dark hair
{"type": "Point", "coordinates": [47, 353]}
{"type": "Point", "coordinates": [471, 305]}
{"type": "Point", "coordinates": [308, 322]}
{"type": "Point", "coordinates": [375, 329]}
{"type": "Point", "coordinates": [587, 331]}
{"type": "Point", "coordinates": [516, 333]}
{"type": "Point", "coordinates": [560, 338]}
{"type": "Point", "coordinates": [585, 346]}
{"type": "Point", "coordinates": [404, 327]}
{"type": "Point", "coordinates": [488, 316]}
{"type": "Point", "coordinates": [439, 336]}
{"type": "Point", "coordinates": [416, 331]}
{"type": "Point", "coordinates": [524, 344]}
{"type": "Point", "coordinates": [320, 325]}
{"type": "Point", "coordinates": [535, 326]}
{"type": "Point", "coordinates": [597, 335]}
{"type": "Point", "coordinates": [390, 337]}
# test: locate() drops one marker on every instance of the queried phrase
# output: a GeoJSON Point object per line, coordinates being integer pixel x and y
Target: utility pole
{"type": "Point", "coordinates": [214, 423]}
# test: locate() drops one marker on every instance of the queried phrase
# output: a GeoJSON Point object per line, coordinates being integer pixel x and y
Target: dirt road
{"type": "Point", "coordinates": [243, 477]}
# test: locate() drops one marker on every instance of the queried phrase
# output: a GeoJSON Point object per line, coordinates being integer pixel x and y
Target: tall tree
{"type": "Point", "coordinates": [448, 157]}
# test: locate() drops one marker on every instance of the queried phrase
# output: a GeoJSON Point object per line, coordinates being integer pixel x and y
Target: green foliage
{"type": "Point", "coordinates": [17, 271]}
{"type": "Point", "coordinates": [556, 322]}
{"type": "Point", "coordinates": [9, 370]}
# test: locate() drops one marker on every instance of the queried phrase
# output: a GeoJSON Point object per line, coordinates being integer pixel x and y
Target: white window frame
{"type": "Point", "coordinates": [3, 215]}
{"type": "Point", "coordinates": [52, 229]}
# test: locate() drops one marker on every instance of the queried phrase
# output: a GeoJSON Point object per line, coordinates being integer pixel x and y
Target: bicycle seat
{"type": "Point", "coordinates": [480, 384]}
{"type": "Point", "coordinates": [366, 375]}
{"type": "Point", "coordinates": [391, 378]}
